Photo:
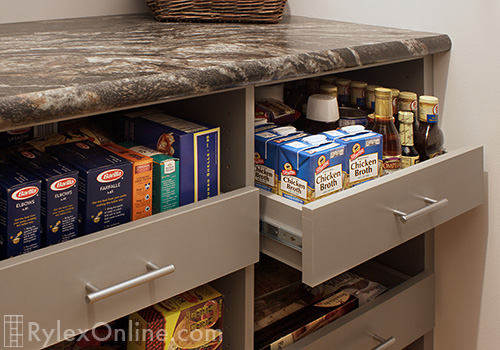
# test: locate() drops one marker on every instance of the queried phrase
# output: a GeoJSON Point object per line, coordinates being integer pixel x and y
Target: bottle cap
{"type": "Point", "coordinates": [342, 82]}
{"type": "Point", "coordinates": [275, 91]}
{"type": "Point", "coordinates": [394, 92]}
{"type": "Point", "coordinates": [329, 79]}
{"type": "Point", "coordinates": [328, 89]}
{"type": "Point", "coordinates": [428, 99]}
{"type": "Point", "coordinates": [381, 92]}
{"type": "Point", "coordinates": [358, 84]}
{"type": "Point", "coordinates": [322, 108]}
{"type": "Point", "coordinates": [407, 95]}
{"type": "Point", "coordinates": [285, 130]}
{"type": "Point", "coordinates": [371, 87]}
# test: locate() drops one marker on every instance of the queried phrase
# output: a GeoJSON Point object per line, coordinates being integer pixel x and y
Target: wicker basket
{"type": "Point", "coordinates": [260, 11]}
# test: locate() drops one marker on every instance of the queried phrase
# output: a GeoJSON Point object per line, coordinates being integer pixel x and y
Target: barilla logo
{"type": "Point", "coordinates": [27, 154]}
{"type": "Point", "coordinates": [63, 184]}
{"type": "Point", "coordinates": [18, 131]}
{"type": "Point", "coordinates": [110, 175]}
{"type": "Point", "coordinates": [24, 193]}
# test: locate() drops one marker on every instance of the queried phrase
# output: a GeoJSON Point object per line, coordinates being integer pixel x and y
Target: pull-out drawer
{"type": "Point", "coordinates": [331, 235]}
{"type": "Point", "coordinates": [392, 321]}
{"type": "Point", "coordinates": [193, 244]}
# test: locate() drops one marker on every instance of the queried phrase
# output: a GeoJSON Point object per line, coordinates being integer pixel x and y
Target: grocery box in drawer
{"type": "Point", "coordinates": [333, 234]}
{"type": "Point", "coordinates": [115, 272]}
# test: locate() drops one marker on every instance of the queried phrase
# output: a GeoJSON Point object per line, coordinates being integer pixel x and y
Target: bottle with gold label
{"type": "Point", "coordinates": [394, 101]}
{"type": "Point", "coordinates": [370, 105]}
{"type": "Point", "coordinates": [409, 155]}
{"type": "Point", "coordinates": [429, 138]}
{"type": "Point", "coordinates": [407, 102]}
{"type": "Point", "coordinates": [384, 124]}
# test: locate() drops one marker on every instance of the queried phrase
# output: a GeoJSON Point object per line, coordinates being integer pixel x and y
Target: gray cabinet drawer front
{"type": "Point", "coordinates": [351, 227]}
{"type": "Point", "coordinates": [204, 241]}
{"type": "Point", "coordinates": [405, 313]}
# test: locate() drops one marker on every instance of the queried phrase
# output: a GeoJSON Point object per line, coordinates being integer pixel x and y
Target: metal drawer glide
{"type": "Point", "coordinates": [286, 237]}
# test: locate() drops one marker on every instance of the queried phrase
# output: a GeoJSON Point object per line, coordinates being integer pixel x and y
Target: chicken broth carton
{"type": "Point", "coordinates": [195, 144]}
{"type": "Point", "coordinates": [142, 180]}
{"type": "Point", "coordinates": [363, 156]}
{"type": "Point", "coordinates": [59, 206]}
{"type": "Point", "coordinates": [20, 199]}
{"type": "Point", "coordinates": [266, 155]}
{"type": "Point", "coordinates": [104, 184]}
{"type": "Point", "coordinates": [165, 177]}
{"type": "Point", "coordinates": [311, 168]}
{"type": "Point", "coordinates": [191, 320]}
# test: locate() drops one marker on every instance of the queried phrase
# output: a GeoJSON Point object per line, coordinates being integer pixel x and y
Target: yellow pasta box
{"type": "Point", "coordinates": [142, 180]}
{"type": "Point", "coordinates": [191, 320]}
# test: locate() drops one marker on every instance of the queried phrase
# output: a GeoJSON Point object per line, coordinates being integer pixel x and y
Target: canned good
{"type": "Point", "coordinates": [351, 116]}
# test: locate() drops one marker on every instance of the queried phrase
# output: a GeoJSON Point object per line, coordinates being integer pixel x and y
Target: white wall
{"type": "Point", "coordinates": [468, 248]}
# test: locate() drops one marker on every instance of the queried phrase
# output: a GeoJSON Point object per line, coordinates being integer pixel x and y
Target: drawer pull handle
{"type": "Point", "coordinates": [433, 205]}
{"type": "Point", "coordinates": [384, 343]}
{"type": "Point", "coordinates": [154, 272]}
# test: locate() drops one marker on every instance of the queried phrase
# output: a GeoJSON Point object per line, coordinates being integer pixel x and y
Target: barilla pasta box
{"type": "Point", "coordinates": [15, 137]}
{"type": "Point", "coordinates": [105, 184]}
{"type": "Point", "coordinates": [20, 200]}
{"type": "Point", "coordinates": [311, 168]}
{"type": "Point", "coordinates": [363, 156]}
{"type": "Point", "coordinates": [195, 144]}
{"type": "Point", "coordinates": [192, 320]}
{"type": "Point", "coordinates": [59, 186]}
{"type": "Point", "coordinates": [165, 177]}
{"type": "Point", "coordinates": [142, 180]}
{"type": "Point", "coordinates": [266, 155]}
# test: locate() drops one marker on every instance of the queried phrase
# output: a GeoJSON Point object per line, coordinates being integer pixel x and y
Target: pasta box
{"type": "Point", "coordinates": [195, 144]}
{"type": "Point", "coordinates": [59, 188]}
{"type": "Point", "coordinates": [105, 184]}
{"type": "Point", "coordinates": [142, 179]}
{"type": "Point", "coordinates": [191, 320]}
{"type": "Point", "coordinates": [165, 177]}
{"type": "Point", "coordinates": [20, 199]}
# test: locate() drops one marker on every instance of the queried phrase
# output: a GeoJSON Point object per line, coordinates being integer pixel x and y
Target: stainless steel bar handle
{"type": "Point", "coordinates": [433, 205]}
{"type": "Point", "coordinates": [96, 294]}
{"type": "Point", "coordinates": [384, 343]}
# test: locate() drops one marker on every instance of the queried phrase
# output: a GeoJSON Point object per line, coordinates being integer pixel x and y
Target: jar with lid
{"type": "Point", "coordinates": [384, 125]}
{"type": "Point", "coordinates": [322, 114]}
{"type": "Point", "coordinates": [357, 94]}
{"type": "Point", "coordinates": [343, 86]}
{"type": "Point", "coordinates": [407, 102]}
{"type": "Point", "coordinates": [429, 138]}
{"type": "Point", "coordinates": [370, 105]}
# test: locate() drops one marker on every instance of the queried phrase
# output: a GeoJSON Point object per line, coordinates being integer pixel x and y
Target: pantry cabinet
{"type": "Point", "coordinates": [69, 69]}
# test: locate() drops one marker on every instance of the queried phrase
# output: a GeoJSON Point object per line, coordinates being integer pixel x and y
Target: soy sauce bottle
{"type": "Point", "coordinates": [384, 124]}
{"type": "Point", "coordinates": [429, 138]}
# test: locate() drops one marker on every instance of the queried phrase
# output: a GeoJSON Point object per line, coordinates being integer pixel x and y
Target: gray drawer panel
{"type": "Point", "coordinates": [204, 241]}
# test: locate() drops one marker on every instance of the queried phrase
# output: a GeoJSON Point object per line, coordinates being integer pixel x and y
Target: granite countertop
{"type": "Point", "coordinates": [51, 70]}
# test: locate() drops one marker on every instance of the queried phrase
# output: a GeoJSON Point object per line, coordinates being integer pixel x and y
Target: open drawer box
{"type": "Point", "coordinates": [331, 235]}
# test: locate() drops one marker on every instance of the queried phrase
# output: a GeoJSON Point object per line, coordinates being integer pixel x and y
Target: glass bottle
{"type": "Point", "coordinates": [357, 94]}
{"type": "Point", "coordinates": [408, 102]}
{"type": "Point", "coordinates": [394, 101]}
{"type": "Point", "coordinates": [384, 124]}
{"type": "Point", "coordinates": [409, 155]}
{"type": "Point", "coordinates": [343, 92]}
{"type": "Point", "coordinates": [370, 105]}
{"type": "Point", "coordinates": [429, 138]}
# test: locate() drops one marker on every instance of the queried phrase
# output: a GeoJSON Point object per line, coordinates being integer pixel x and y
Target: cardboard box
{"type": "Point", "coordinates": [59, 206]}
{"type": "Point", "coordinates": [142, 179]}
{"type": "Point", "coordinates": [20, 198]}
{"type": "Point", "coordinates": [309, 171]}
{"type": "Point", "coordinates": [195, 144]}
{"type": "Point", "coordinates": [266, 155]}
{"type": "Point", "coordinates": [363, 156]}
{"type": "Point", "coordinates": [15, 137]}
{"type": "Point", "coordinates": [304, 321]}
{"type": "Point", "coordinates": [105, 184]}
{"type": "Point", "coordinates": [165, 177]}
{"type": "Point", "coordinates": [192, 320]}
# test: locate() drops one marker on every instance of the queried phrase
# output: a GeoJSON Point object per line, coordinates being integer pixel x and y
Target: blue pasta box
{"type": "Point", "coordinates": [59, 186]}
{"type": "Point", "coordinates": [266, 155]}
{"type": "Point", "coordinates": [311, 168]}
{"type": "Point", "coordinates": [15, 137]}
{"type": "Point", "coordinates": [105, 184]}
{"type": "Point", "coordinates": [195, 144]}
{"type": "Point", "coordinates": [20, 200]}
{"type": "Point", "coordinates": [363, 155]}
